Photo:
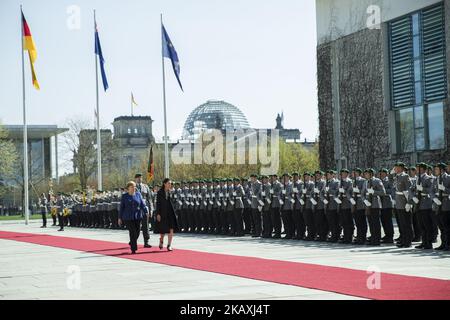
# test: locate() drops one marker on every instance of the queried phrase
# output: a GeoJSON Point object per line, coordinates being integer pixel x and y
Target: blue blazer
{"type": "Point", "coordinates": [131, 207]}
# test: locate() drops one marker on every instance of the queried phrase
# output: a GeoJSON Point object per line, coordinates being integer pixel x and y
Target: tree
{"type": "Point", "coordinates": [8, 159]}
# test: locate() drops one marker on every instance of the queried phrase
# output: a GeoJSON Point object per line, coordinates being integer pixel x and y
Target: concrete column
{"type": "Point", "coordinates": [56, 158]}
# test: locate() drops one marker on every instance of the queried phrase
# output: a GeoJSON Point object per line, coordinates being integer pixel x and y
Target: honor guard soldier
{"type": "Point", "coordinates": [144, 190]}
{"type": "Point", "coordinates": [277, 203]}
{"type": "Point", "coordinates": [238, 198]}
{"type": "Point", "coordinates": [287, 195]}
{"type": "Point", "coordinates": [299, 202]}
{"type": "Point", "coordinates": [319, 215]}
{"type": "Point", "coordinates": [223, 207]}
{"type": "Point", "coordinates": [177, 196]}
{"type": "Point", "coordinates": [186, 207]}
{"type": "Point", "coordinates": [402, 183]}
{"type": "Point", "coordinates": [387, 207]}
{"type": "Point", "coordinates": [60, 208]}
{"type": "Point", "coordinates": [345, 209]}
{"type": "Point", "coordinates": [332, 196]}
{"type": "Point", "coordinates": [413, 202]}
{"type": "Point", "coordinates": [217, 207]}
{"type": "Point", "coordinates": [229, 206]}
{"type": "Point", "coordinates": [373, 191]}
{"type": "Point", "coordinates": [265, 201]}
{"type": "Point", "coordinates": [115, 208]}
{"type": "Point", "coordinates": [209, 208]}
{"type": "Point", "coordinates": [203, 206]}
{"type": "Point", "coordinates": [255, 191]}
{"type": "Point", "coordinates": [310, 202]}
{"type": "Point", "coordinates": [247, 206]}
{"type": "Point", "coordinates": [424, 188]}
{"type": "Point", "coordinates": [43, 202]}
{"type": "Point", "coordinates": [441, 200]}
{"type": "Point", "coordinates": [359, 207]}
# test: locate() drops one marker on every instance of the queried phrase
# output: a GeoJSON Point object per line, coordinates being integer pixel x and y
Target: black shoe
{"type": "Point", "coordinates": [169, 248]}
{"type": "Point", "coordinates": [428, 247]}
{"type": "Point", "coordinates": [43, 226]}
{"type": "Point", "coordinates": [277, 236]}
{"type": "Point", "coordinates": [146, 245]}
{"type": "Point", "coordinates": [421, 246]}
{"type": "Point", "coordinates": [161, 245]}
{"type": "Point", "coordinates": [133, 252]}
{"type": "Point", "coordinates": [387, 241]}
{"type": "Point", "coordinates": [440, 248]}
{"type": "Point", "coordinates": [417, 239]}
{"type": "Point", "coordinates": [61, 229]}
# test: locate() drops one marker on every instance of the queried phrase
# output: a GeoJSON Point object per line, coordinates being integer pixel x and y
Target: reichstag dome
{"type": "Point", "coordinates": [214, 114]}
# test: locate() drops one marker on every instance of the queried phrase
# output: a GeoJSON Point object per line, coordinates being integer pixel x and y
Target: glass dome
{"type": "Point", "coordinates": [214, 115]}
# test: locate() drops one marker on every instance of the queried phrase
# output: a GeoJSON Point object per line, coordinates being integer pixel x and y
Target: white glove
{"type": "Point", "coordinates": [302, 202]}
{"type": "Point", "coordinates": [259, 208]}
{"type": "Point", "coordinates": [437, 202]}
{"type": "Point", "coordinates": [338, 201]}
{"type": "Point", "coordinates": [419, 187]}
{"type": "Point", "coordinates": [341, 190]}
{"type": "Point", "coordinates": [325, 201]}
{"type": "Point", "coordinates": [260, 202]}
{"type": "Point", "coordinates": [394, 203]}
{"type": "Point", "coordinates": [295, 190]}
{"type": "Point", "coordinates": [371, 191]}
{"type": "Point", "coordinates": [408, 207]}
{"type": "Point", "coordinates": [304, 191]}
{"type": "Point", "coordinates": [441, 187]}
{"type": "Point", "coordinates": [356, 190]}
{"type": "Point", "coordinates": [416, 201]}
{"type": "Point", "coordinates": [283, 192]}
{"type": "Point", "coordinates": [293, 200]}
{"type": "Point", "coordinates": [281, 202]}
{"type": "Point", "coordinates": [313, 201]}
{"type": "Point", "coordinates": [405, 193]}
{"type": "Point", "coordinates": [263, 194]}
{"type": "Point", "coordinates": [352, 201]}
{"type": "Point", "coordinates": [327, 189]}
{"type": "Point", "coordinates": [367, 203]}
{"type": "Point", "coordinates": [316, 190]}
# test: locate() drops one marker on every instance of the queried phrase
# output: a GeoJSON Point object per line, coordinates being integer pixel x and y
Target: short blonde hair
{"type": "Point", "coordinates": [131, 183]}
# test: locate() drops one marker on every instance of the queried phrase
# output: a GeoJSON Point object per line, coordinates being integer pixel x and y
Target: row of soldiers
{"type": "Point", "coordinates": [320, 206]}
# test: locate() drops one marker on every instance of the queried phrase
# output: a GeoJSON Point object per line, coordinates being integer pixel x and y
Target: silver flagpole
{"type": "Point", "coordinates": [131, 102]}
{"type": "Point", "coordinates": [99, 141]}
{"type": "Point", "coordinates": [25, 136]}
{"type": "Point", "coordinates": [166, 142]}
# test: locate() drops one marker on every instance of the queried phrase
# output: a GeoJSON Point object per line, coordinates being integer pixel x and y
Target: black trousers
{"type": "Point", "coordinates": [276, 221]}
{"type": "Point", "coordinates": [361, 225]}
{"type": "Point", "coordinates": [225, 226]}
{"type": "Point", "coordinates": [426, 226]}
{"type": "Point", "coordinates": [374, 225]}
{"type": "Point", "coordinates": [44, 218]}
{"type": "Point", "coordinates": [417, 231]}
{"type": "Point", "coordinates": [54, 219]}
{"type": "Point", "coordinates": [133, 227]}
{"type": "Point", "coordinates": [321, 224]}
{"type": "Point", "coordinates": [205, 220]}
{"type": "Point", "coordinates": [191, 218]}
{"type": "Point", "coordinates": [247, 220]}
{"type": "Point", "coordinates": [61, 221]}
{"type": "Point", "coordinates": [288, 223]}
{"type": "Point", "coordinates": [144, 228]}
{"type": "Point", "coordinates": [333, 224]}
{"type": "Point", "coordinates": [256, 218]}
{"type": "Point", "coordinates": [238, 222]}
{"type": "Point", "coordinates": [406, 230]}
{"type": "Point", "coordinates": [443, 218]}
{"type": "Point", "coordinates": [347, 224]}
{"type": "Point", "coordinates": [267, 227]}
{"type": "Point", "coordinates": [198, 220]}
{"type": "Point", "coordinates": [386, 222]}
{"type": "Point", "coordinates": [299, 224]}
{"type": "Point", "coordinates": [397, 221]}
{"type": "Point", "coordinates": [308, 217]}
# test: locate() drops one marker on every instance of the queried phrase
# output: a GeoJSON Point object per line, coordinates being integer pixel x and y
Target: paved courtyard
{"type": "Point", "coordinates": [33, 271]}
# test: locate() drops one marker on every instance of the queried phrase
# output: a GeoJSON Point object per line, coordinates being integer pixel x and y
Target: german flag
{"type": "Point", "coordinates": [151, 167]}
{"type": "Point", "coordinates": [28, 45]}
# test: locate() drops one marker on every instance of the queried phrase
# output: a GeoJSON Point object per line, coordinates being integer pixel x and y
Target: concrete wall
{"type": "Point", "coordinates": [338, 18]}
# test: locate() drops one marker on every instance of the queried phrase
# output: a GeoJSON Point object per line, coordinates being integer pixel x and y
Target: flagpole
{"type": "Point", "coordinates": [166, 142]}
{"type": "Point", "coordinates": [25, 135]}
{"type": "Point", "coordinates": [131, 102]}
{"type": "Point", "coordinates": [99, 141]}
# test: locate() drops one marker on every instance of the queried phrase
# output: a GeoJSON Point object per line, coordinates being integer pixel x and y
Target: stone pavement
{"type": "Point", "coordinates": [30, 271]}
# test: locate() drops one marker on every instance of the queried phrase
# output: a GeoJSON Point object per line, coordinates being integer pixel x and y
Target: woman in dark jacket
{"type": "Point", "coordinates": [166, 220]}
{"type": "Point", "coordinates": [131, 208]}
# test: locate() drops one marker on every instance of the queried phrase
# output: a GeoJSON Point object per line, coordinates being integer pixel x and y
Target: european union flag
{"type": "Point", "coordinates": [98, 51]}
{"type": "Point", "coordinates": [168, 51]}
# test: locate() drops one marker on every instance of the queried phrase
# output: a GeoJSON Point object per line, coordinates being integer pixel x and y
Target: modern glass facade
{"type": "Point", "coordinates": [214, 115]}
{"type": "Point", "coordinates": [418, 79]}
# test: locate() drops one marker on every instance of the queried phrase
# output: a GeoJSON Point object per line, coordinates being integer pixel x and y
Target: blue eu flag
{"type": "Point", "coordinates": [168, 51]}
{"type": "Point", "coordinates": [98, 51]}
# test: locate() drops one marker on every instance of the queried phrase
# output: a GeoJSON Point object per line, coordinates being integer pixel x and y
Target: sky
{"type": "Point", "coordinates": [259, 55]}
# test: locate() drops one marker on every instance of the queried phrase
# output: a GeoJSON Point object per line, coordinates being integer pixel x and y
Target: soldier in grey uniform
{"type": "Point", "coordinates": [264, 201]}
{"type": "Point", "coordinates": [144, 190]}
{"type": "Point", "coordinates": [238, 196]}
{"type": "Point", "coordinates": [229, 207]}
{"type": "Point", "coordinates": [60, 209]}
{"type": "Point", "coordinates": [372, 192]}
{"type": "Point", "coordinates": [209, 222]}
{"type": "Point", "coordinates": [203, 207]}
{"type": "Point", "coordinates": [247, 206]}
{"type": "Point", "coordinates": [287, 196]}
{"type": "Point", "coordinates": [332, 196]}
{"type": "Point", "coordinates": [359, 214]}
{"type": "Point", "coordinates": [297, 214]}
{"type": "Point", "coordinates": [277, 203]}
{"type": "Point", "coordinates": [217, 207]}
{"type": "Point", "coordinates": [43, 205]}
{"type": "Point", "coordinates": [178, 205]}
{"type": "Point", "coordinates": [345, 209]}
{"type": "Point", "coordinates": [403, 186]}
{"type": "Point", "coordinates": [115, 208]}
{"type": "Point", "coordinates": [255, 193]}
{"type": "Point", "coordinates": [387, 206]}
{"type": "Point", "coordinates": [441, 200]}
{"type": "Point", "coordinates": [223, 212]}
{"type": "Point", "coordinates": [308, 211]}
{"type": "Point", "coordinates": [320, 220]}
{"type": "Point", "coordinates": [424, 189]}
{"type": "Point", "coordinates": [417, 232]}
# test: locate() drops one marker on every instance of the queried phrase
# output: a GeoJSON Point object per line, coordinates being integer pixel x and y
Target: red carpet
{"type": "Point", "coordinates": [333, 279]}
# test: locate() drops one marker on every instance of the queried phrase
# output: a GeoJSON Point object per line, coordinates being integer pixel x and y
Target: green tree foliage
{"type": "Point", "coordinates": [8, 159]}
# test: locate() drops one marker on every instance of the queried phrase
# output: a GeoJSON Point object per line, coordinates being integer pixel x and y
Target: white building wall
{"type": "Point", "coordinates": [338, 18]}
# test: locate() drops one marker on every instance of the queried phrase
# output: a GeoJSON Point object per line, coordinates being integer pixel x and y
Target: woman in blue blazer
{"type": "Point", "coordinates": [132, 207]}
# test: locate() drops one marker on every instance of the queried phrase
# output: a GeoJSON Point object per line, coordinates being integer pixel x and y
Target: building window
{"type": "Point", "coordinates": [418, 79]}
